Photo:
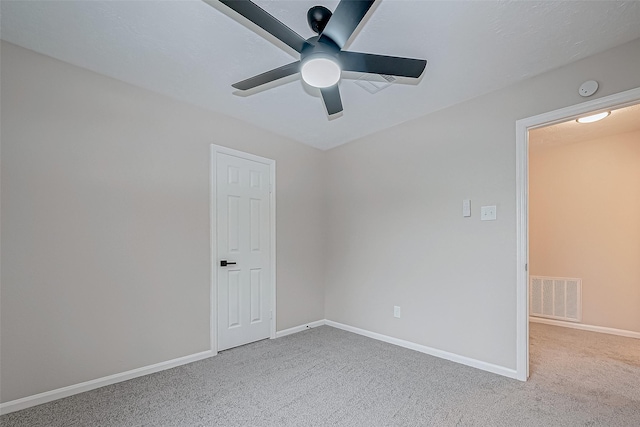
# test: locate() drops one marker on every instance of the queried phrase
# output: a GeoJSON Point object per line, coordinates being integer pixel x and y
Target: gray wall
{"type": "Point", "coordinates": [105, 224]}
{"type": "Point", "coordinates": [396, 231]}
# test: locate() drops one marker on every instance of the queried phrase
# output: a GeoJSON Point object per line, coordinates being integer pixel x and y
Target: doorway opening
{"type": "Point", "coordinates": [584, 229]}
{"type": "Point", "coordinates": [525, 128]}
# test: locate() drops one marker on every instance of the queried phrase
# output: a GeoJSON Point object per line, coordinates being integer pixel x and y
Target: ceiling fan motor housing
{"type": "Point", "coordinates": [316, 47]}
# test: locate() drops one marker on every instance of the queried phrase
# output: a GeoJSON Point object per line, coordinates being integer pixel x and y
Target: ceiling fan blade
{"type": "Point", "coordinates": [344, 20]}
{"type": "Point", "coordinates": [381, 64]}
{"type": "Point", "coordinates": [264, 20]}
{"type": "Point", "coordinates": [331, 98]}
{"type": "Point", "coordinates": [269, 76]}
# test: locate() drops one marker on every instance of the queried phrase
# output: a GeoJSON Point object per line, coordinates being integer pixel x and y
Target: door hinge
{"type": "Point", "coordinates": [526, 267]}
{"type": "Point", "coordinates": [271, 315]}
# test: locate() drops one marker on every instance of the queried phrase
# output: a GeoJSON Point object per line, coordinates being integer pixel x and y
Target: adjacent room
{"type": "Point", "coordinates": [584, 229]}
{"type": "Point", "coordinates": [285, 213]}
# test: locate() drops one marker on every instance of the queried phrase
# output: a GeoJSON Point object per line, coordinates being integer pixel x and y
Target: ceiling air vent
{"type": "Point", "coordinates": [374, 83]}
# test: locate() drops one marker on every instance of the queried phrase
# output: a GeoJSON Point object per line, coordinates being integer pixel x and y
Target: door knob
{"type": "Point", "coordinates": [224, 263]}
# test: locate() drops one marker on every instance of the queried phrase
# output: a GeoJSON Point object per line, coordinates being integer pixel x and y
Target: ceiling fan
{"type": "Point", "coordinates": [322, 59]}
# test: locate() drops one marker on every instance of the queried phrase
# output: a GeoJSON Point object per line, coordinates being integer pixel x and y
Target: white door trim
{"type": "Point", "coordinates": [215, 150]}
{"type": "Point", "coordinates": [523, 126]}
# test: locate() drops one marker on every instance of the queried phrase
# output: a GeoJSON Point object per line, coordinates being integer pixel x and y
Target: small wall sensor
{"type": "Point", "coordinates": [588, 88]}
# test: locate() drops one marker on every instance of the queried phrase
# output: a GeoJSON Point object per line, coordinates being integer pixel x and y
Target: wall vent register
{"type": "Point", "coordinates": [555, 298]}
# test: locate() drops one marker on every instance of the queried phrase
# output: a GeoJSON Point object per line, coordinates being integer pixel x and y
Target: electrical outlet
{"type": "Point", "coordinates": [396, 311]}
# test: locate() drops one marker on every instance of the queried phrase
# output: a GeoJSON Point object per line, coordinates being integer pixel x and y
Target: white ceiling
{"type": "Point", "coordinates": [622, 120]}
{"type": "Point", "coordinates": [193, 52]}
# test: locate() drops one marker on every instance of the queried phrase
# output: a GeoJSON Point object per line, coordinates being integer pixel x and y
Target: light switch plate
{"type": "Point", "coordinates": [488, 213]}
{"type": "Point", "coordinates": [466, 208]}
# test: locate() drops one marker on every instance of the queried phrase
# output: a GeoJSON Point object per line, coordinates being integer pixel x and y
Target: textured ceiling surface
{"type": "Point", "coordinates": [622, 120]}
{"type": "Point", "coordinates": [194, 52]}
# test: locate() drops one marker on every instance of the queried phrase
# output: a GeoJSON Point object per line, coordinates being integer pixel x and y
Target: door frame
{"type": "Point", "coordinates": [215, 150]}
{"type": "Point", "coordinates": [618, 100]}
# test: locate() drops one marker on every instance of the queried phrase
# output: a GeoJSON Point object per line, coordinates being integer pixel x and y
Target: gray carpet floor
{"type": "Point", "coordinates": [329, 377]}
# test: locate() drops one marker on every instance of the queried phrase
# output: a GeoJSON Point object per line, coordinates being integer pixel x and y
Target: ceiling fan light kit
{"type": "Point", "coordinates": [320, 67]}
{"type": "Point", "coordinates": [320, 71]}
{"type": "Point", "coordinates": [322, 59]}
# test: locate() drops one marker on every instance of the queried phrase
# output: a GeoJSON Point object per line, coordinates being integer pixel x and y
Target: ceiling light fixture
{"type": "Point", "coordinates": [322, 57]}
{"type": "Point", "coordinates": [593, 118]}
{"type": "Point", "coordinates": [320, 71]}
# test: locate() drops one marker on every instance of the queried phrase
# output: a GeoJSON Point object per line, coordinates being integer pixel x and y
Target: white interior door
{"type": "Point", "coordinates": [244, 263]}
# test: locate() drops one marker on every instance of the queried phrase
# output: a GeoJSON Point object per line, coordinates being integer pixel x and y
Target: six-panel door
{"type": "Point", "coordinates": [243, 237]}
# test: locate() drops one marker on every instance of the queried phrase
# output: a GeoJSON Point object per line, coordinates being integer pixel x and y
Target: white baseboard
{"type": "Point", "coordinates": [300, 328]}
{"type": "Point", "coordinates": [485, 366]}
{"type": "Point", "coordinates": [48, 396]}
{"type": "Point", "coordinates": [591, 328]}
{"type": "Point", "coordinates": [37, 399]}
